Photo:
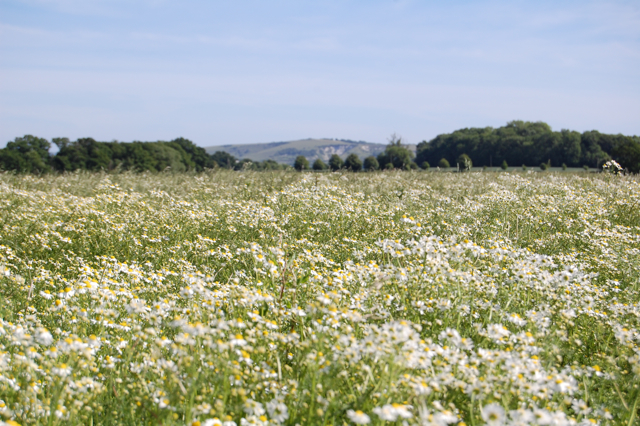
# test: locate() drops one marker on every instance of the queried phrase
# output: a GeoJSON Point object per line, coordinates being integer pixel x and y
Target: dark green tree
{"type": "Point", "coordinates": [319, 165]}
{"type": "Point", "coordinates": [353, 163]}
{"type": "Point", "coordinates": [396, 154]}
{"type": "Point", "coordinates": [301, 163]}
{"type": "Point", "coordinates": [425, 165]}
{"type": "Point", "coordinates": [224, 159]}
{"type": "Point", "coordinates": [335, 162]}
{"type": "Point", "coordinates": [443, 163]}
{"type": "Point", "coordinates": [465, 163]}
{"type": "Point", "coordinates": [504, 165]}
{"type": "Point", "coordinates": [27, 154]}
{"type": "Point", "coordinates": [627, 154]}
{"type": "Point", "coordinates": [371, 164]}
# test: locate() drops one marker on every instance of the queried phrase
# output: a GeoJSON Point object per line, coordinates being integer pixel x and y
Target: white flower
{"type": "Point", "coordinates": [44, 337]}
{"type": "Point", "coordinates": [391, 412]}
{"type": "Point", "coordinates": [252, 407]}
{"type": "Point", "coordinates": [212, 422]}
{"type": "Point", "coordinates": [278, 410]}
{"type": "Point", "coordinates": [493, 414]}
{"type": "Point", "coordinates": [358, 417]}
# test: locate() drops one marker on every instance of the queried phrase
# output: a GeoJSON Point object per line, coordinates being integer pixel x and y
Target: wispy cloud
{"type": "Point", "coordinates": [407, 66]}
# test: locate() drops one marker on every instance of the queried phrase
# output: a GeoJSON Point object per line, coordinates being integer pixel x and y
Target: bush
{"type": "Point", "coordinates": [319, 165]}
{"type": "Point", "coordinates": [543, 166]}
{"type": "Point", "coordinates": [413, 165]}
{"type": "Point", "coordinates": [504, 165]}
{"type": "Point", "coordinates": [465, 163]}
{"type": "Point", "coordinates": [524, 168]}
{"type": "Point", "coordinates": [425, 165]}
{"type": "Point", "coordinates": [353, 163]}
{"type": "Point", "coordinates": [564, 166]}
{"type": "Point", "coordinates": [443, 163]}
{"type": "Point", "coordinates": [586, 168]}
{"type": "Point", "coordinates": [301, 163]}
{"type": "Point", "coordinates": [335, 162]}
{"type": "Point", "coordinates": [397, 154]}
{"type": "Point", "coordinates": [371, 164]}
{"type": "Point", "coordinates": [388, 166]}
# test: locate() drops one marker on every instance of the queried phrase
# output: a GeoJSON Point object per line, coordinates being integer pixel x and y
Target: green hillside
{"type": "Point", "coordinates": [286, 152]}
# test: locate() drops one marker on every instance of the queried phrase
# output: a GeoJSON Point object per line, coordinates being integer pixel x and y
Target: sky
{"type": "Point", "coordinates": [249, 71]}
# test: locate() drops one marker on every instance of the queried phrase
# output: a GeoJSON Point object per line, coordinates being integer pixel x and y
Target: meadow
{"type": "Point", "coordinates": [283, 298]}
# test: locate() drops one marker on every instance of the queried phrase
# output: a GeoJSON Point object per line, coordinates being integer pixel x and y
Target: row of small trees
{"type": "Point", "coordinates": [395, 156]}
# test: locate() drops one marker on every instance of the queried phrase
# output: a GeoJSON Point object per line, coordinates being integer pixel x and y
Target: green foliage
{"type": "Point", "coordinates": [301, 163]}
{"type": "Point", "coordinates": [319, 165]}
{"type": "Point", "coordinates": [425, 165]}
{"type": "Point", "coordinates": [353, 163]}
{"type": "Point", "coordinates": [443, 163]}
{"type": "Point", "coordinates": [524, 168]}
{"type": "Point", "coordinates": [371, 164]}
{"type": "Point", "coordinates": [335, 162]}
{"type": "Point", "coordinates": [28, 154]}
{"type": "Point", "coordinates": [504, 165]}
{"type": "Point", "coordinates": [544, 166]}
{"type": "Point", "coordinates": [465, 163]}
{"type": "Point", "coordinates": [564, 166]}
{"type": "Point", "coordinates": [224, 159]}
{"type": "Point", "coordinates": [529, 143]}
{"type": "Point", "coordinates": [627, 154]}
{"type": "Point", "coordinates": [396, 154]}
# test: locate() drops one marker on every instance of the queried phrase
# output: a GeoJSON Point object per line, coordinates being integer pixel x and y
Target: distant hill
{"type": "Point", "coordinates": [286, 152]}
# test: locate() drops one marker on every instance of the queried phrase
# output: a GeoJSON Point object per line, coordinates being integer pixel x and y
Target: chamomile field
{"type": "Point", "coordinates": [248, 298]}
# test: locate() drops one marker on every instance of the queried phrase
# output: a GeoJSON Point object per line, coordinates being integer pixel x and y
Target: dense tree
{"type": "Point", "coordinates": [301, 163]}
{"type": "Point", "coordinates": [27, 154]}
{"type": "Point", "coordinates": [335, 162]}
{"type": "Point", "coordinates": [319, 165]}
{"type": "Point", "coordinates": [371, 164]}
{"type": "Point", "coordinates": [353, 163]}
{"type": "Point", "coordinates": [528, 143]}
{"type": "Point", "coordinates": [627, 154]}
{"type": "Point", "coordinates": [464, 162]}
{"type": "Point", "coordinates": [224, 159]}
{"type": "Point", "coordinates": [396, 154]}
{"type": "Point", "coordinates": [443, 163]}
{"type": "Point", "coordinates": [504, 165]}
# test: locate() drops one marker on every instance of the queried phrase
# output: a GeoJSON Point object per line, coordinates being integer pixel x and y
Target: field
{"type": "Point", "coordinates": [242, 298]}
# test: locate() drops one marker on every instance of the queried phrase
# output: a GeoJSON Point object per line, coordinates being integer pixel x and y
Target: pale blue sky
{"type": "Point", "coordinates": [220, 72]}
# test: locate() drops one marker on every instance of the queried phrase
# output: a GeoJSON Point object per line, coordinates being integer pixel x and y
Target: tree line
{"type": "Point", "coordinates": [30, 154]}
{"type": "Point", "coordinates": [530, 144]}
{"type": "Point", "coordinates": [519, 143]}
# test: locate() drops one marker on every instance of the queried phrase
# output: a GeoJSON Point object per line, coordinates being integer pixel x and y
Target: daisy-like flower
{"type": "Point", "coordinates": [493, 414]}
{"type": "Point", "coordinates": [358, 417]}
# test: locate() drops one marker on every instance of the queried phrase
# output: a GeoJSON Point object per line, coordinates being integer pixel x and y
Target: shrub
{"type": "Point", "coordinates": [319, 165]}
{"type": "Point", "coordinates": [425, 165]}
{"type": "Point", "coordinates": [564, 166]}
{"type": "Point", "coordinates": [301, 163]}
{"type": "Point", "coordinates": [335, 162]}
{"type": "Point", "coordinates": [353, 163]}
{"type": "Point", "coordinates": [443, 163]}
{"type": "Point", "coordinates": [504, 165]}
{"type": "Point", "coordinates": [465, 163]}
{"type": "Point", "coordinates": [524, 168]}
{"type": "Point", "coordinates": [586, 168]}
{"type": "Point", "coordinates": [371, 164]}
{"type": "Point", "coordinates": [543, 166]}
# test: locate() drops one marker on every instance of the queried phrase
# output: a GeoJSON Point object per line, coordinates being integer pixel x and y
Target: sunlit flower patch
{"type": "Point", "coordinates": [286, 298]}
